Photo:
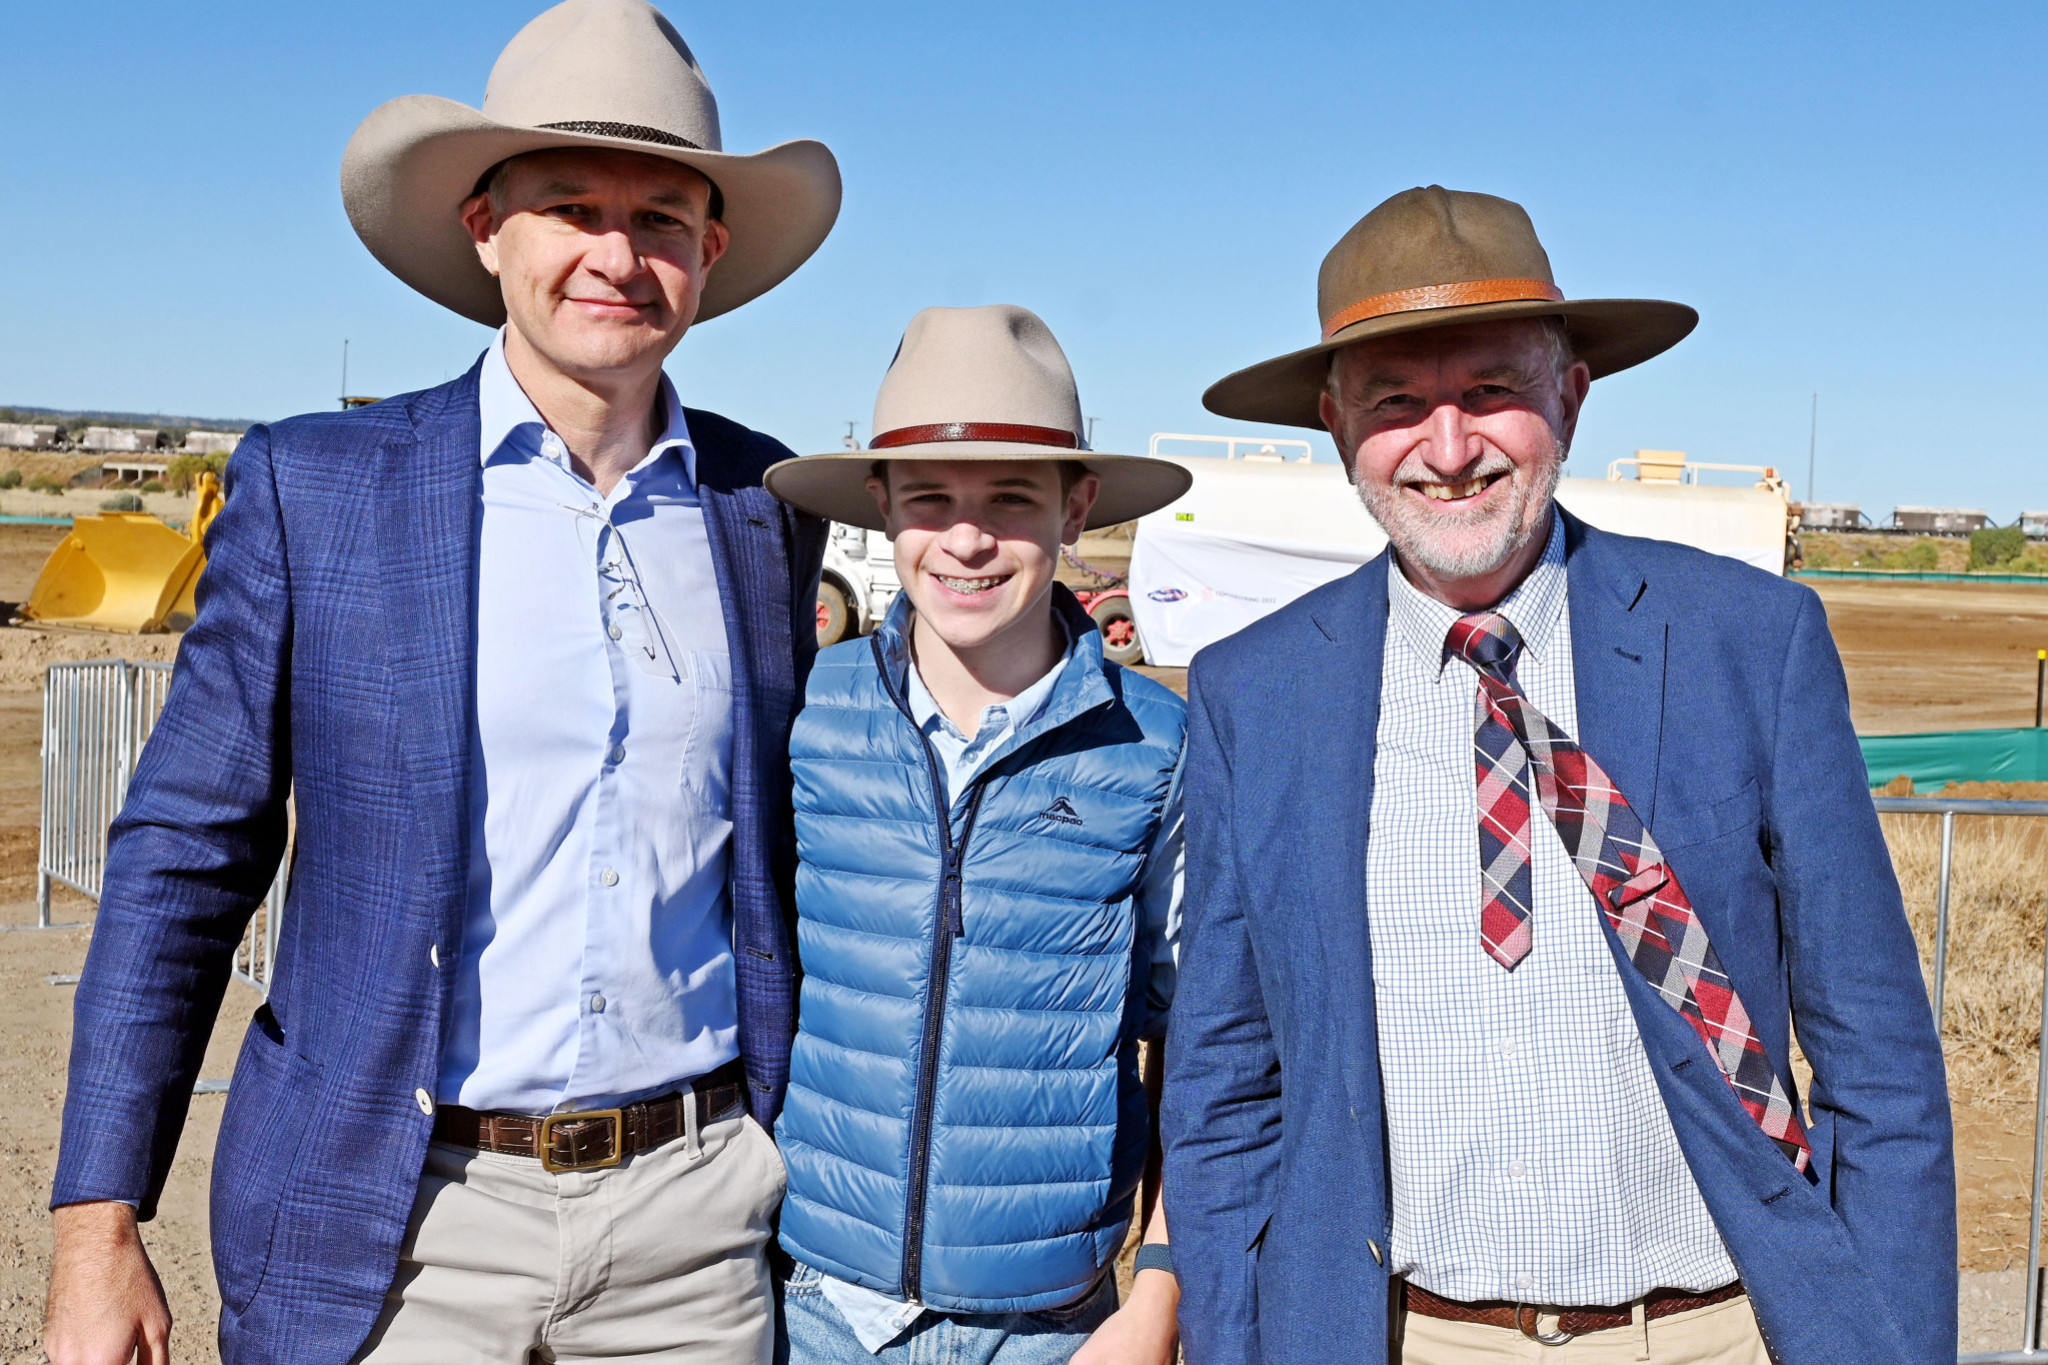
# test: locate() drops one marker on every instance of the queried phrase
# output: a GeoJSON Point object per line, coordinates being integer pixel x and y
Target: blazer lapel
{"type": "Point", "coordinates": [1340, 683]}
{"type": "Point", "coordinates": [1618, 651]}
{"type": "Point", "coordinates": [750, 556]}
{"type": "Point", "coordinates": [426, 541]}
{"type": "Point", "coordinates": [743, 524]}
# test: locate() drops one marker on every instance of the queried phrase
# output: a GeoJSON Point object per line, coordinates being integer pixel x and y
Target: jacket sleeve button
{"type": "Point", "coordinates": [1374, 1248]}
{"type": "Point", "coordinates": [424, 1100]}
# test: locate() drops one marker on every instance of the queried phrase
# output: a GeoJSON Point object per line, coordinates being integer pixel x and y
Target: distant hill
{"type": "Point", "coordinates": [161, 420]}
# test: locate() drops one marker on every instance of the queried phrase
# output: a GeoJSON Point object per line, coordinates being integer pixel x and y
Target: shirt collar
{"type": "Point", "coordinates": [1021, 709]}
{"type": "Point", "coordinates": [1535, 606]}
{"type": "Point", "coordinates": [511, 422]}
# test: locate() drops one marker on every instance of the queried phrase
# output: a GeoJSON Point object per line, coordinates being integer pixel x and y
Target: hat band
{"type": "Point", "coordinates": [632, 132]}
{"type": "Point", "coordinates": [976, 431]}
{"type": "Point", "coordinates": [1460, 295]}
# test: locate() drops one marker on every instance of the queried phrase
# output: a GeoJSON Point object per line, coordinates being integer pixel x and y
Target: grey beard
{"type": "Point", "coordinates": [1410, 529]}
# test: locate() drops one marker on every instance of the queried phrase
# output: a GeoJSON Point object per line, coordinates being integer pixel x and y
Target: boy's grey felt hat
{"type": "Point", "coordinates": [588, 73]}
{"type": "Point", "coordinates": [985, 383]}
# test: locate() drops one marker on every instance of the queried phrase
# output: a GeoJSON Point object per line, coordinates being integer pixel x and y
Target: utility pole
{"type": "Point", "coordinates": [344, 374]}
{"type": "Point", "coordinates": [1812, 442]}
{"type": "Point", "coordinates": [848, 442]}
{"type": "Point", "coordinates": [1091, 433]}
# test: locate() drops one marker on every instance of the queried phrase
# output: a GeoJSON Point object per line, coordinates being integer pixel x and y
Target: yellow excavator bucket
{"type": "Point", "coordinates": [125, 571]}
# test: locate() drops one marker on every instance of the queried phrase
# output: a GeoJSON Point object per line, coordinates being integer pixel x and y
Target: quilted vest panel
{"type": "Point", "coordinates": [1012, 1159]}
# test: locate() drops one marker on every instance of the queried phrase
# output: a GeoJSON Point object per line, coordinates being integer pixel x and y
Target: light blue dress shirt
{"type": "Point", "coordinates": [875, 1317]}
{"type": "Point", "coordinates": [596, 963]}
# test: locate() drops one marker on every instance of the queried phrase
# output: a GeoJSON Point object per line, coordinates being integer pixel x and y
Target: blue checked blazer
{"type": "Point", "coordinates": [1712, 695]}
{"type": "Point", "coordinates": [333, 659]}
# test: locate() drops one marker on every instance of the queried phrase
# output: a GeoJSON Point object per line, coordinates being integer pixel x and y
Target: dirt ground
{"type": "Point", "coordinates": [1919, 657]}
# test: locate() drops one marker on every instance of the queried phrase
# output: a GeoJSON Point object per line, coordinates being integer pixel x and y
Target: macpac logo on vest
{"type": "Point", "coordinates": [1061, 810]}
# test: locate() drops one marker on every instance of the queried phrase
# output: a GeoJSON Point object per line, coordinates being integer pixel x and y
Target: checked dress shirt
{"type": "Point", "coordinates": [1532, 1158]}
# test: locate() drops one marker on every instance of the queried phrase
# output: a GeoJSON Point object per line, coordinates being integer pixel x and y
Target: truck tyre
{"type": "Point", "coordinates": [835, 614]}
{"type": "Point", "coordinates": [1120, 642]}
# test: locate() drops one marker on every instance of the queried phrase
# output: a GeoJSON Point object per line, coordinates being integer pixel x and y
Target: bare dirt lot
{"type": "Point", "coordinates": [1919, 657]}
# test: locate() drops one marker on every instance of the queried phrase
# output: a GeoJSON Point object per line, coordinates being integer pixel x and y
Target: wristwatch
{"type": "Point", "coordinates": [1154, 1256]}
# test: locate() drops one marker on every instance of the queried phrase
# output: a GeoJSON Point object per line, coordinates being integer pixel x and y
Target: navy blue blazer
{"type": "Point", "coordinates": [1712, 695]}
{"type": "Point", "coordinates": [333, 658]}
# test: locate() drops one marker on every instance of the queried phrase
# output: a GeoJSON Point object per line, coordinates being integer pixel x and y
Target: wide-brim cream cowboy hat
{"type": "Point", "coordinates": [588, 73]}
{"type": "Point", "coordinates": [975, 384]}
{"type": "Point", "coordinates": [1432, 258]}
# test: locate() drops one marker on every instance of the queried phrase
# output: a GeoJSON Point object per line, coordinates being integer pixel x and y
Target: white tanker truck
{"type": "Point", "coordinates": [1263, 525]}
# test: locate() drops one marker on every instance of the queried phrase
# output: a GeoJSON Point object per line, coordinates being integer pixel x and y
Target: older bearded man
{"type": "Point", "coordinates": [524, 649]}
{"type": "Point", "coordinates": [1513, 1065]}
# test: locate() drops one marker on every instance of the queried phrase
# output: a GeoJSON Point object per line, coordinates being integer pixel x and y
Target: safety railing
{"type": "Point", "coordinates": [1283, 449]}
{"type": "Point", "coordinates": [1948, 808]}
{"type": "Point", "coordinates": [97, 715]}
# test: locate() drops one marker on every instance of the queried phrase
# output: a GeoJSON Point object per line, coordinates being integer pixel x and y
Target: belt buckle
{"type": "Point", "coordinates": [1560, 1337]}
{"type": "Point", "coordinates": [546, 1143]}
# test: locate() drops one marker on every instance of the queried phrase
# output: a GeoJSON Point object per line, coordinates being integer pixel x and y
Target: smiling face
{"type": "Point", "coordinates": [602, 255]}
{"type": "Point", "coordinates": [977, 542]}
{"type": "Point", "coordinates": [1454, 438]}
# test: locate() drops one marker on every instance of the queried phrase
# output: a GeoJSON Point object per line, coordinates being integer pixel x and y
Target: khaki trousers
{"type": "Point", "coordinates": [1719, 1334]}
{"type": "Point", "coordinates": [660, 1259]}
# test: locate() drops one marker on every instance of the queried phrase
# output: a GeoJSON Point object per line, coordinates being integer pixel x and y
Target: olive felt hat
{"type": "Point", "coordinates": [1434, 257]}
{"type": "Point", "coordinates": [985, 383]}
{"type": "Point", "coordinates": [608, 74]}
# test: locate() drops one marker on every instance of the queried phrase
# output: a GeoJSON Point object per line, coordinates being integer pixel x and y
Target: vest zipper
{"type": "Point", "coordinates": [947, 925]}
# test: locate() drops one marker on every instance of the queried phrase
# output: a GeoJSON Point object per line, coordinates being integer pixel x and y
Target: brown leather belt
{"type": "Point", "coordinates": [1571, 1322]}
{"type": "Point", "coordinates": [589, 1139]}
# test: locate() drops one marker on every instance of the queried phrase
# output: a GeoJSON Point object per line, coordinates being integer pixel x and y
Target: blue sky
{"type": "Point", "coordinates": [1852, 196]}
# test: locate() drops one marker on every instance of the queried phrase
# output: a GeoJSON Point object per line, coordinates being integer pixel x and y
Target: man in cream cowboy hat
{"type": "Point", "coordinates": [523, 650]}
{"type": "Point", "coordinates": [1514, 860]}
{"type": "Point", "coordinates": [988, 828]}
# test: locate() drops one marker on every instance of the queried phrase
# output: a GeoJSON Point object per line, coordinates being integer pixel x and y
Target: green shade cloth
{"type": "Point", "coordinates": [1920, 576]}
{"type": "Point", "coordinates": [1957, 756]}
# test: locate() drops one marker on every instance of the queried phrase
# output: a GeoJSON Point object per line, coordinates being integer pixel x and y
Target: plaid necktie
{"type": "Point", "coordinates": [1614, 853]}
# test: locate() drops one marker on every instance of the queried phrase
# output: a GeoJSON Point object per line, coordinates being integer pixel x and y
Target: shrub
{"type": "Point", "coordinates": [1995, 546]}
{"type": "Point", "coordinates": [152, 486]}
{"type": "Point", "coordinates": [43, 483]}
{"type": "Point", "coordinates": [121, 502]}
{"type": "Point", "coordinates": [10, 478]}
{"type": "Point", "coordinates": [184, 470]}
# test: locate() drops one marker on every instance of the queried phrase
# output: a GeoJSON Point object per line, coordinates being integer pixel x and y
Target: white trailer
{"type": "Point", "coordinates": [1254, 532]}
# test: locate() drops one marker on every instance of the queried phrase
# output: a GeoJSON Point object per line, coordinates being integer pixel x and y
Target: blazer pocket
{"type": "Point", "coordinates": [1698, 822]}
{"type": "Point", "coordinates": [269, 1101]}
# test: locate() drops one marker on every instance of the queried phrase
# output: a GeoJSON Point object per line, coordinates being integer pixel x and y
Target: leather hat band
{"type": "Point", "coordinates": [976, 431]}
{"type": "Point", "coordinates": [1460, 295]}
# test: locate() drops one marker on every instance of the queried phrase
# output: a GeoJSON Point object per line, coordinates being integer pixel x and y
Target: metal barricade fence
{"type": "Point", "coordinates": [97, 715]}
{"type": "Point", "coordinates": [1948, 808]}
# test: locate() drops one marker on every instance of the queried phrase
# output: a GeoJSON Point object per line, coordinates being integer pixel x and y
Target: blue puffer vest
{"type": "Point", "coordinates": [965, 1124]}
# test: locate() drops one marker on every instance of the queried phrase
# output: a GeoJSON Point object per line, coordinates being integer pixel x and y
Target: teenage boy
{"type": "Point", "coordinates": [988, 827]}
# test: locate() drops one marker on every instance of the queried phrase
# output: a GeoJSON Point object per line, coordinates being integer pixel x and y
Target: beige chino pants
{"type": "Point", "coordinates": [1719, 1334]}
{"type": "Point", "coordinates": [660, 1259]}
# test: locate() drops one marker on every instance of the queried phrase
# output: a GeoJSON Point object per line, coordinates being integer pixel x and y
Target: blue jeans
{"type": "Point", "coordinates": [813, 1333]}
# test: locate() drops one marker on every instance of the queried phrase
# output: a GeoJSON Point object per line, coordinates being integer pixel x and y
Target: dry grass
{"type": "Point", "coordinates": [1998, 905]}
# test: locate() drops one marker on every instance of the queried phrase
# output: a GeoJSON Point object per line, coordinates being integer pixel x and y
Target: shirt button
{"type": "Point", "coordinates": [608, 877]}
{"type": "Point", "coordinates": [597, 1004]}
{"type": "Point", "coordinates": [1507, 1049]}
{"type": "Point", "coordinates": [613, 630]}
{"type": "Point", "coordinates": [1516, 1170]}
{"type": "Point", "coordinates": [616, 754]}
{"type": "Point", "coordinates": [1525, 1282]}
{"type": "Point", "coordinates": [424, 1101]}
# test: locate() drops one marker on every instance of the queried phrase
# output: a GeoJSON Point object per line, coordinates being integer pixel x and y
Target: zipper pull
{"type": "Point", "coordinates": [954, 925]}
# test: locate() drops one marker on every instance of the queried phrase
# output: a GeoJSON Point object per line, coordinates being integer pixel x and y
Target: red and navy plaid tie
{"type": "Point", "coordinates": [1620, 861]}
